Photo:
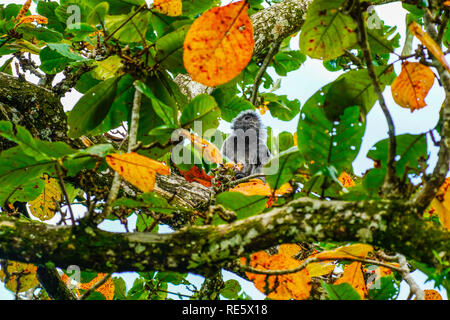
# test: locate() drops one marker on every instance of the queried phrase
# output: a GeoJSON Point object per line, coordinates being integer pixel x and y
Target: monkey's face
{"type": "Point", "coordinates": [246, 121]}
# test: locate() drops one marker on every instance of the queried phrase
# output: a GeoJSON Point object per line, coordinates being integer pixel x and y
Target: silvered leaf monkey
{"type": "Point", "coordinates": [246, 144]}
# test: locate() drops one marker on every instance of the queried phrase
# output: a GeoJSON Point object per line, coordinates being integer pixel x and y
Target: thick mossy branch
{"type": "Point", "coordinates": [391, 225]}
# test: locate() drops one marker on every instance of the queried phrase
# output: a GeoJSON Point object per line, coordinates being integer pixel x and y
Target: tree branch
{"type": "Point", "coordinates": [380, 223]}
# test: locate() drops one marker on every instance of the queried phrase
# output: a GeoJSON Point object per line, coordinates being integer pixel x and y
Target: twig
{"type": "Point", "coordinates": [363, 42]}
{"type": "Point", "coordinates": [115, 186]}
{"type": "Point", "coordinates": [308, 261]}
{"type": "Point", "coordinates": [272, 52]}
{"type": "Point", "coordinates": [63, 189]}
{"type": "Point", "coordinates": [95, 287]}
{"type": "Point", "coordinates": [134, 125]}
{"type": "Point", "coordinates": [406, 274]}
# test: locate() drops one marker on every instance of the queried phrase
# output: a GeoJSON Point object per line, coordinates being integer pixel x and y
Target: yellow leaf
{"type": "Point", "coordinates": [138, 170]}
{"type": "Point", "coordinates": [358, 250]}
{"type": "Point", "coordinates": [317, 269]}
{"type": "Point", "coordinates": [21, 276]}
{"type": "Point", "coordinates": [441, 204]}
{"type": "Point", "coordinates": [44, 206]}
{"type": "Point", "coordinates": [429, 43]}
{"type": "Point", "coordinates": [170, 8]}
{"type": "Point", "coordinates": [108, 68]}
{"type": "Point", "coordinates": [354, 276]}
{"type": "Point", "coordinates": [219, 44]}
{"type": "Point", "coordinates": [412, 85]}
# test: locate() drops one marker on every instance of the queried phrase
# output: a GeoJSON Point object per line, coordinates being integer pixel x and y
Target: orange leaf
{"type": "Point", "coordinates": [194, 174]}
{"type": "Point", "coordinates": [23, 11]}
{"type": "Point", "coordinates": [346, 180]}
{"type": "Point", "coordinates": [219, 44]}
{"type": "Point", "coordinates": [289, 249]}
{"type": "Point", "coordinates": [171, 8]}
{"type": "Point", "coordinates": [107, 289]}
{"type": "Point", "coordinates": [208, 150]}
{"type": "Point", "coordinates": [253, 187]}
{"type": "Point", "coordinates": [412, 85]}
{"type": "Point", "coordinates": [28, 19]}
{"type": "Point", "coordinates": [441, 204]}
{"type": "Point", "coordinates": [447, 3]}
{"type": "Point", "coordinates": [290, 286]}
{"type": "Point", "coordinates": [354, 276]}
{"type": "Point", "coordinates": [432, 295]}
{"type": "Point", "coordinates": [358, 250]}
{"type": "Point", "coordinates": [429, 43]}
{"type": "Point", "coordinates": [138, 170]}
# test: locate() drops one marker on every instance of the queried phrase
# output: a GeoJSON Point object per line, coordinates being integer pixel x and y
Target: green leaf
{"type": "Point", "coordinates": [327, 31]}
{"type": "Point", "coordinates": [47, 9]}
{"type": "Point", "coordinates": [354, 88]}
{"type": "Point", "coordinates": [52, 62]}
{"type": "Point", "coordinates": [195, 7]}
{"type": "Point", "coordinates": [172, 277]}
{"type": "Point", "coordinates": [92, 108]}
{"type": "Point", "coordinates": [18, 172]}
{"type": "Point", "coordinates": [80, 31]}
{"type": "Point", "coordinates": [120, 288]}
{"type": "Point", "coordinates": [65, 50]}
{"type": "Point", "coordinates": [166, 113]}
{"type": "Point", "coordinates": [169, 50]}
{"type": "Point", "coordinates": [287, 61]}
{"type": "Point", "coordinates": [343, 291]}
{"type": "Point", "coordinates": [43, 34]}
{"type": "Point", "coordinates": [288, 163]}
{"type": "Point", "coordinates": [281, 107]}
{"type": "Point", "coordinates": [324, 143]}
{"type": "Point", "coordinates": [97, 16]}
{"type": "Point", "coordinates": [149, 200]}
{"type": "Point", "coordinates": [202, 108]}
{"type": "Point", "coordinates": [6, 67]}
{"type": "Point", "coordinates": [132, 30]}
{"type": "Point", "coordinates": [244, 206]}
{"type": "Point", "coordinates": [120, 108]}
{"type": "Point", "coordinates": [285, 141]}
{"type": "Point", "coordinates": [411, 152]}
{"type": "Point", "coordinates": [231, 289]}
{"type": "Point", "coordinates": [383, 288]}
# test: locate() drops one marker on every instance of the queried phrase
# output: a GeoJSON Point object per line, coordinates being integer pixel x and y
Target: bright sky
{"type": "Point", "coordinates": [302, 84]}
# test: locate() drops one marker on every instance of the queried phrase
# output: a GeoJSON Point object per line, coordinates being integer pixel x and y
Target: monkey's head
{"type": "Point", "coordinates": [247, 120]}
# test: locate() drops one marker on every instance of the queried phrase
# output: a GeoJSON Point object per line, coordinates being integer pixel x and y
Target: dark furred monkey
{"type": "Point", "coordinates": [246, 145]}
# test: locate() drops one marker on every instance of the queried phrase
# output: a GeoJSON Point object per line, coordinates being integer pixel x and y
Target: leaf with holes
{"type": "Point", "coordinates": [219, 44]}
{"type": "Point", "coordinates": [411, 151]}
{"type": "Point", "coordinates": [324, 143]}
{"type": "Point", "coordinates": [327, 31]}
{"type": "Point", "coordinates": [412, 85]}
{"type": "Point", "coordinates": [354, 88]}
{"type": "Point", "coordinates": [44, 206]}
{"type": "Point", "coordinates": [171, 8]}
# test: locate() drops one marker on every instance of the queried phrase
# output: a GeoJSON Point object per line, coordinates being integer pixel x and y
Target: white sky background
{"type": "Point", "coordinates": [302, 84]}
